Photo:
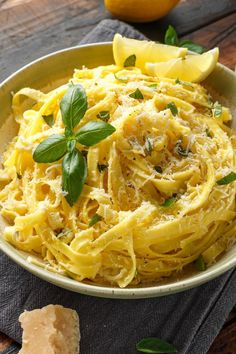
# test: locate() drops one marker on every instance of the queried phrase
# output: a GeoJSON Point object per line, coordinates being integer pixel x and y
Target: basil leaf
{"type": "Point", "coordinates": [197, 48]}
{"type": "Point", "coordinates": [180, 150]}
{"type": "Point", "coordinates": [73, 106]}
{"type": "Point", "coordinates": [184, 83]}
{"type": "Point", "coordinates": [94, 219]}
{"type": "Point", "coordinates": [71, 145]}
{"type": "Point", "coordinates": [101, 167]}
{"type": "Point", "coordinates": [148, 145]}
{"type": "Point", "coordinates": [200, 264]}
{"type": "Point", "coordinates": [168, 202]}
{"type": "Point", "coordinates": [121, 78]}
{"type": "Point", "coordinates": [93, 132]}
{"type": "Point", "coordinates": [208, 133]}
{"type": "Point", "coordinates": [74, 174]}
{"type": "Point", "coordinates": [130, 61]}
{"type": "Point", "coordinates": [50, 149]}
{"type": "Point", "coordinates": [158, 169]}
{"type": "Point", "coordinates": [171, 37]}
{"type": "Point", "coordinates": [137, 94]}
{"type": "Point", "coordinates": [155, 345]}
{"type": "Point", "coordinates": [49, 120]}
{"type": "Point", "coordinates": [217, 109]}
{"type": "Point", "coordinates": [153, 86]}
{"type": "Point", "coordinates": [231, 177]}
{"type": "Point", "coordinates": [104, 115]}
{"type": "Point", "coordinates": [173, 108]}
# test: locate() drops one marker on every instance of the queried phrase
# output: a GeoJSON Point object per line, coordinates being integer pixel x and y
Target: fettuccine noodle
{"type": "Point", "coordinates": [152, 182]}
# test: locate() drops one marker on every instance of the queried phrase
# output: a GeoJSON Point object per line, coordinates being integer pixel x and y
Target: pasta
{"type": "Point", "coordinates": [152, 184]}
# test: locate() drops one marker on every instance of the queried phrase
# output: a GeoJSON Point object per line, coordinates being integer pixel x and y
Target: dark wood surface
{"type": "Point", "coordinates": [32, 28]}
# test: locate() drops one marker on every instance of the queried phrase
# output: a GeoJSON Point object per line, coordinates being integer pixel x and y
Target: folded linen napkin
{"type": "Point", "coordinates": [190, 320]}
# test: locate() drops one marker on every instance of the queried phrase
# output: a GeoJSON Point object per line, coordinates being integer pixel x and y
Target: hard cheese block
{"type": "Point", "coordinates": [53, 329]}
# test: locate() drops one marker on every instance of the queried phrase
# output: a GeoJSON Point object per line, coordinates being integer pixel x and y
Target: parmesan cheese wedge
{"type": "Point", "coordinates": [53, 329]}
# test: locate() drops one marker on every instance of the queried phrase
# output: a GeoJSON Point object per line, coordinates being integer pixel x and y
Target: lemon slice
{"type": "Point", "coordinates": [192, 68]}
{"type": "Point", "coordinates": [145, 51]}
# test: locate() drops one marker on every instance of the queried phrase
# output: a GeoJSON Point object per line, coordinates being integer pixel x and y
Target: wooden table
{"type": "Point", "coordinates": [32, 28]}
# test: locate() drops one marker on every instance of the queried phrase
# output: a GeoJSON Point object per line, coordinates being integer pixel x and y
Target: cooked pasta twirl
{"type": "Point", "coordinates": [151, 204]}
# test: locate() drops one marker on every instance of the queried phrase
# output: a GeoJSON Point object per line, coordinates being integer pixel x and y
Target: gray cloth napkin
{"type": "Point", "coordinates": [190, 320]}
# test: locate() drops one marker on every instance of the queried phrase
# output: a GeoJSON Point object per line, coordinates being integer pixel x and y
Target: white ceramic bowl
{"type": "Point", "coordinates": [50, 71]}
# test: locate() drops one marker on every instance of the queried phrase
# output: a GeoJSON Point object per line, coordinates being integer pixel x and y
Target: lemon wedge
{"type": "Point", "coordinates": [145, 51]}
{"type": "Point", "coordinates": [192, 68]}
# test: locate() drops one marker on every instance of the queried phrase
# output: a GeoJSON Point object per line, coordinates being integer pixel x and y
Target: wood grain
{"type": "Point", "coordinates": [221, 33]}
{"type": "Point", "coordinates": [225, 342]}
{"type": "Point", "coordinates": [5, 341]}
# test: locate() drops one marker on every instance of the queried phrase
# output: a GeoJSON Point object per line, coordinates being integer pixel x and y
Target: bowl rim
{"type": "Point", "coordinates": [105, 291]}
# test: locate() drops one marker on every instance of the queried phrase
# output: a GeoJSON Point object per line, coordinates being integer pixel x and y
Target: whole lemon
{"type": "Point", "coordinates": [140, 10]}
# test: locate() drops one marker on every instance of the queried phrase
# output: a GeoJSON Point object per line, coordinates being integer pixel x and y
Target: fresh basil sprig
{"type": "Point", "coordinates": [74, 167]}
{"type": "Point", "coordinates": [171, 38]}
{"type": "Point", "coordinates": [155, 345]}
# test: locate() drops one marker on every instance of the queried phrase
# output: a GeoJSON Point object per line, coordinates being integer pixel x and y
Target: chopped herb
{"type": "Point", "coordinates": [208, 133]}
{"type": "Point", "coordinates": [148, 145]}
{"type": "Point", "coordinates": [217, 109]}
{"type": "Point", "coordinates": [19, 176]}
{"type": "Point", "coordinates": [168, 202]}
{"type": "Point", "coordinates": [180, 150]}
{"type": "Point", "coordinates": [200, 264]}
{"type": "Point", "coordinates": [104, 115]}
{"type": "Point", "coordinates": [137, 94]}
{"type": "Point", "coordinates": [231, 177]}
{"type": "Point", "coordinates": [158, 169]}
{"type": "Point", "coordinates": [155, 345]}
{"type": "Point", "coordinates": [121, 78]}
{"type": "Point", "coordinates": [130, 61]}
{"type": "Point", "coordinates": [102, 167]}
{"type": "Point", "coordinates": [153, 86]}
{"type": "Point", "coordinates": [185, 83]}
{"type": "Point", "coordinates": [63, 233]}
{"type": "Point", "coordinates": [94, 219]}
{"type": "Point", "coordinates": [49, 120]}
{"type": "Point", "coordinates": [173, 108]}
